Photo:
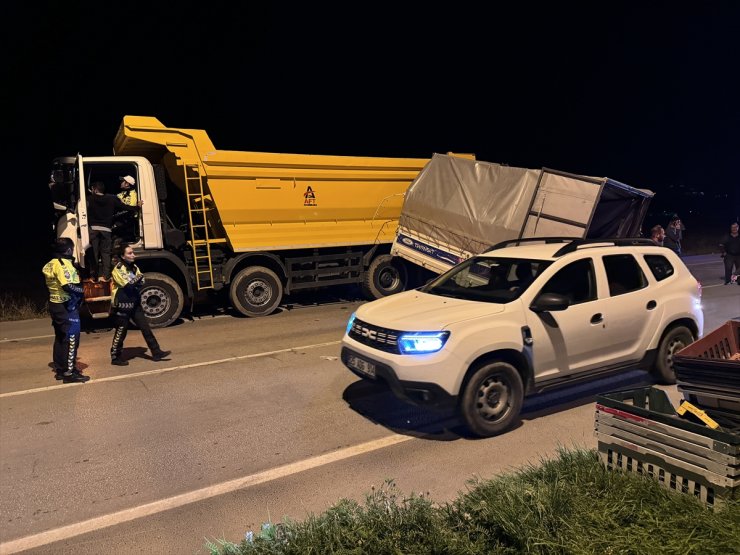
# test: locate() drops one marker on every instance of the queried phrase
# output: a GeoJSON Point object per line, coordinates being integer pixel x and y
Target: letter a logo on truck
{"type": "Point", "coordinates": [309, 196]}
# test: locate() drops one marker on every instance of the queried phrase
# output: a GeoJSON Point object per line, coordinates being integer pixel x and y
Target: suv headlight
{"type": "Point", "coordinates": [350, 322]}
{"type": "Point", "coordinates": [422, 342]}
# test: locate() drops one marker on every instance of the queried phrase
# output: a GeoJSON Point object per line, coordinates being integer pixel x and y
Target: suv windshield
{"type": "Point", "coordinates": [486, 279]}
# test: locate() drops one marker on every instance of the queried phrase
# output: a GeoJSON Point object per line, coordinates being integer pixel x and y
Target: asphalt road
{"type": "Point", "coordinates": [251, 420]}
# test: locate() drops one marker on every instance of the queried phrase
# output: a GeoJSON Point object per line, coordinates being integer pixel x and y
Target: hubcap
{"type": "Point", "coordinates": [493, 398]}
{"type": "Point", "coordinates": [673, 347]}
{"type": "Point", "coordinates": [155, 301]}
{"type": "Point", "coordinates": [258, 292]}
{"type": "Point", "coordinates": [389, 278]}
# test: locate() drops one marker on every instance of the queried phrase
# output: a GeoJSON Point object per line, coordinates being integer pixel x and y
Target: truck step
{"type": "Point", "coordinates": [98, 299]}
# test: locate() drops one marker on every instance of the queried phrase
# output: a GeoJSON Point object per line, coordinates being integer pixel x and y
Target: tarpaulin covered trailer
{"type": "Point", "coordinates": [456, 208]}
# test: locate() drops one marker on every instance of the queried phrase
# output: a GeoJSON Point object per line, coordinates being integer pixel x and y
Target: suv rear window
{"type": "Point", "coordinates": [624, 274]}
{"type": "Point", "coordinates": [659, 266]}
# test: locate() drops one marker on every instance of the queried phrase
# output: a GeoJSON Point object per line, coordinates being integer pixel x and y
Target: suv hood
{"type": "Point", "coordinates": [417, 311]}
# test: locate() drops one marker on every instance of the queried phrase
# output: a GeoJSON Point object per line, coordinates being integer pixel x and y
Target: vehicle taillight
{"type": "Point", "coordinates": [698, 286]}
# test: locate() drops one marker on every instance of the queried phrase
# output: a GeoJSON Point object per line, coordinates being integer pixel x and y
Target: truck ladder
{"type": "Point", "coordinates": [199, 240]}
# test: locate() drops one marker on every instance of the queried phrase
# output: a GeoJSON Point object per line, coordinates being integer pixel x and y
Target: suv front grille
{"type": "Point", "coordinates": [376, 337]}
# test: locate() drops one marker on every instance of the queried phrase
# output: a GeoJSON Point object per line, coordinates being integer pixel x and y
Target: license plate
{"type": "Point", "coordinates": [361, 366]}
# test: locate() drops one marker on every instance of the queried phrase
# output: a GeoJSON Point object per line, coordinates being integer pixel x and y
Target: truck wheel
{"type": "Point", "coordinates": [492, 399]}
{"type": "Point", "coordinates": [161, 299]}
{"type": "Point", "coordinates": [672, 341]}
{"type": "Point", "coordinates": [256, 291]}
{"type": "Point", "coordinates": [385, 276]}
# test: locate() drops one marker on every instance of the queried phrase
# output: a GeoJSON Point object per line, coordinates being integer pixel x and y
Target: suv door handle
{"type": "Point", "coordinates": [651, 305]}
{"type": "Point", "coordinates": [596, 318]}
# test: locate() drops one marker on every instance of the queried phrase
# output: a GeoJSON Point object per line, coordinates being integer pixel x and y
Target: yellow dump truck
{"type": "Point", "coordinates": [255, 225]}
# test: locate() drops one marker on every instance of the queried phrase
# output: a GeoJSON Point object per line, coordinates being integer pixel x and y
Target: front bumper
{"type": "Point", "coordinates": [414, 392]}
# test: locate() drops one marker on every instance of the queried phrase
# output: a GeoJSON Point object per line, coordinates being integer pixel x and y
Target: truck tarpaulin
{"type": "Point", "coordinates": [457, 207]}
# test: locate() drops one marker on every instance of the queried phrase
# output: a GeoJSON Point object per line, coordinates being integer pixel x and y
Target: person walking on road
{"type": "Point", "coordinates": [65, 297]}
{"type": "Point", "coordinates": [731, 253]}
{"type": "Point", "coordinates": [127, 283]}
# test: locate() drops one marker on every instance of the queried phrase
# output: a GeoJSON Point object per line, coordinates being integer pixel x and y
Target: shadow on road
{"type": "Point", "coordinates": [377, 403]}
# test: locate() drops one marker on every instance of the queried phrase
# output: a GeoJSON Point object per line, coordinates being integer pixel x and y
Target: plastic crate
{"type": "Point", "coordinates": [639, 431]}
{"type": "Point", "coordinates": [708, 370]}
{"type": "Point", "coordinates": [618, 457]}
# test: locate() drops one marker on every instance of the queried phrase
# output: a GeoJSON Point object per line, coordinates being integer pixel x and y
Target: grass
{"type": "Point", "coordinates": [568, 505]}
{"type": "Point", "coordinates": [18, 307]}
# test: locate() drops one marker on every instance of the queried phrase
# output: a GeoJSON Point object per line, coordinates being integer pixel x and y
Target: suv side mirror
{"type": "Point", "coordinates": [549, 302]}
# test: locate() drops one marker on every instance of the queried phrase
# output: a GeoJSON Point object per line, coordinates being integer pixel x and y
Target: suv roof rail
{"type": "Point", "coordinates": [517, 242]}
{"type": "Point", "coordinates": [625, 242]}
{"type": "Point", "coordinates": [573, 243]}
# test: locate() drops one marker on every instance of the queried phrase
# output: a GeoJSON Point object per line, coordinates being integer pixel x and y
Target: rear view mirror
{"type": "Point", "coordinates": [549, 302]}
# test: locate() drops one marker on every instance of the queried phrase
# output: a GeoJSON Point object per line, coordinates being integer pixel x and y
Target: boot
{"type": "Point", "coordinates": [117, 361]}
{"type": "Point", "coordinates": [159, 354]}
{"type": "Point", "coordinates": [75, 377]}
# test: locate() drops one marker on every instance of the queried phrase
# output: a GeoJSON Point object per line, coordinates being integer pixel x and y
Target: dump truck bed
{"type": "Point", "coordinates": [273, 201]}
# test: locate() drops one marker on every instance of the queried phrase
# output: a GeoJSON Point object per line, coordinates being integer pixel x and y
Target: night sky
{"type": "Point", "coordinates": [647, 95]}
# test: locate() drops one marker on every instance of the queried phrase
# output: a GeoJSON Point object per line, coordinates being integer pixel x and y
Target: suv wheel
{"type": "Point", "coordinates": [673, 341]}
{"type": "Point", "coordinates": [492, 398]}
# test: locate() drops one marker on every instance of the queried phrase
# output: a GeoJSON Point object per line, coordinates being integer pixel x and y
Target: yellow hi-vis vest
{"type": "Point", "coordinates": [128, 197]}
{"type": "Point", "coordinates": [121, 277]}
{"type": "Point", "coordinates": [59, 272]}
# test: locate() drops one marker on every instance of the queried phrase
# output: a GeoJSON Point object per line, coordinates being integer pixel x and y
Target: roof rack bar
{"type": "Point", "coordinates": [517, 242]}
{"type": "Point", "coordinates": [625, 242]}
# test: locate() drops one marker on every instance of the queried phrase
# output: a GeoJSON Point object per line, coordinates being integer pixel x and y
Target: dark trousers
{"type": "Point", "coordinates": [121, 320]}
{"type": "Point", "coordinates": [101, 247]}
{"type": "Point", "coordinates": [730, 261]}
{"type": "Point", "coordinates": [66, 337]}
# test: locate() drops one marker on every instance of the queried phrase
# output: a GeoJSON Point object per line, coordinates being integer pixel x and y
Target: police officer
{"type": "Point", "coordinates": [126, 227]}
{"type": "Point", "coordinates": [127, 283]}
{"type": "Point", "coordinates": [65, 297]}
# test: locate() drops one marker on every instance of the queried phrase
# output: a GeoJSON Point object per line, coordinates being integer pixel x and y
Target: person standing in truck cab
{"type": "Point", "coordinates": [65, 297]}
{"type": "Point", "coordinates": [127, 283]}
{"type": "Point", "coordinates": [101, 208]}
{"type": "Point", "coordinates": [126, 226]}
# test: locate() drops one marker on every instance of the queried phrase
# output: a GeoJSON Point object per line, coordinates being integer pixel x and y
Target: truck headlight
{"type": "Point", "coordinates": [422, 342]}
{"type": "Point", "coordinates": [350, 322]}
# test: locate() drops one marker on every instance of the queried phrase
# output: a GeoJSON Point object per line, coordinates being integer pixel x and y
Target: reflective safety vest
{"type": "Point", "coordinates": [123, 275]}
{"type": "Point", "coordinates": [128, 197]}
{"type": "Point", "coordinates": [59, 272]}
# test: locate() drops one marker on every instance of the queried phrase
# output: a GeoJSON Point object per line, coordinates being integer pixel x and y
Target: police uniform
{"type": "Point", "coordinates": [126, 292]}
{"type": "Point", "coordinates": [65, 296]}
{"type": "Point", "coordinates": [127, 225]}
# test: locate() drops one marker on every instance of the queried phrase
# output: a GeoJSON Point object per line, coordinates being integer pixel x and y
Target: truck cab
{"type": "Point", "coordinates": [70, 187]}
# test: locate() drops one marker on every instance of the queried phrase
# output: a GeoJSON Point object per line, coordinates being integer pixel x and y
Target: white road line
{"type": "Point", "coordinates": [26, 338]}
{"type": "Point", "coordinates": [163, 370]}
{"type": "Point", "coordinates": [148, 509]}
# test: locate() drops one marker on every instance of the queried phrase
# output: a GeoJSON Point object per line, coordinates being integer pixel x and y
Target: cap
{"type": "Point", "coordinates": [128, 179]}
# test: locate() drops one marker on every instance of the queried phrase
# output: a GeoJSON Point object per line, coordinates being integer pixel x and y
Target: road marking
{"type": "Point", "coordinates": [148, 509]}
{"type": "Point", "coordinates": [26, 338]}
{"type": "Point", "coordinates": [163, 370]}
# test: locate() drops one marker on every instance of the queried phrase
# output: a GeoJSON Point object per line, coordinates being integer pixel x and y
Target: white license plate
{"type": "Point", "coordinates": [361, 366]}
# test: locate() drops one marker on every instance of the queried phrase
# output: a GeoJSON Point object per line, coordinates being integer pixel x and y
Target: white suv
{"type": "Point", "coordinates": [525, 316]}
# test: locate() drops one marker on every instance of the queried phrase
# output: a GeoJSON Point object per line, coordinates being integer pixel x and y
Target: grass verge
{"type": "Point", "coordinates": [570, 504]}
{"type": "Point", "coordinates": [16, 307]}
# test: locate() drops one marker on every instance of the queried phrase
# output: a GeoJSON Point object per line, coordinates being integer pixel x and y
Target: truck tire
{"type": "Point", "coordinates": [161, 299]}
{"type": "Point", "coordinates": [492, 398]}
{"type": "Point", "coordinates": [672, 341]}
{"type": "Point", "coordinates": [385, 276]}
{"type": "Point", "coordinates": [256, 291]}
